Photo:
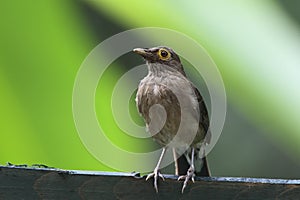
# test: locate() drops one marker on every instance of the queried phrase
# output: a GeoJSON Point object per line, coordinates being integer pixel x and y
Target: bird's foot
{"type": "Point", "coordinates": [155, 175]}
{"type": "Point", "coordinates": [189, 175]}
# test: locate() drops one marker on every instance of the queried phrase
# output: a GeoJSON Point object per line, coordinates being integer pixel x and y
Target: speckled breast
{"type": "Point", "coordinates": [162, 104]}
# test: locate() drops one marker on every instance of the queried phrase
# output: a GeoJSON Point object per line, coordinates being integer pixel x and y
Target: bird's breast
{"type": "Point", "coordinates": [176, 101]}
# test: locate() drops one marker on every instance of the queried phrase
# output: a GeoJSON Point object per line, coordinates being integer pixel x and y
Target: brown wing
{"type": "Point", "coordinates": [204, 118]}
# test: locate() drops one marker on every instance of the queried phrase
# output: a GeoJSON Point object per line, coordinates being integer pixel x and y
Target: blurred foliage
{"type": "Point", "coordinates": [255, 44]}
{"type": "Point", "coordinates": [42, 47]}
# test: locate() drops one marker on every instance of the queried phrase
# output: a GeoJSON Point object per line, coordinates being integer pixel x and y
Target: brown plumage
{"type": "Point", "coordinates": [173, 108]}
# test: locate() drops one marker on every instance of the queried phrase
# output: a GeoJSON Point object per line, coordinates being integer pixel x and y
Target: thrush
{"type": "Point", "coordinates": [169, 104]}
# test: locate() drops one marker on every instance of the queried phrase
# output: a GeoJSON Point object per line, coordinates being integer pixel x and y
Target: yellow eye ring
{"type": "Point", "coordinates": [164, 54]}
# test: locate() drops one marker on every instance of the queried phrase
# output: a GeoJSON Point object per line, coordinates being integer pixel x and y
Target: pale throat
{"type": "Point", "coordinates": [159, 69]}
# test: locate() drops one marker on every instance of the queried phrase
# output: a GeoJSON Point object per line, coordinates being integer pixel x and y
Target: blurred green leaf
{"type": "Point", "coordinates": [42, 47]}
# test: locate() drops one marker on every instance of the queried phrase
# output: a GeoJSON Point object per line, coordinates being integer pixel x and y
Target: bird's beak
{"type": "Point", "coordinates": [143, 52]}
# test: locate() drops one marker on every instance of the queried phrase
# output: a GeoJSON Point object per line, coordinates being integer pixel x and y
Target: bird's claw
{"type": "Point", "coordinates": [155, 174]}
{"type": "Point", "coordinates": [190, 175]}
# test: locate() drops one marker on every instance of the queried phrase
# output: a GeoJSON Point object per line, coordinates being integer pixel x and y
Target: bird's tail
{"type": "Point", "coordinates": [204, 171]}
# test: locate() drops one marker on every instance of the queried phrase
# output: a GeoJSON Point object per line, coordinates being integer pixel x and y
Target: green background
{"type": "Point", "coordinates": [255, 44]}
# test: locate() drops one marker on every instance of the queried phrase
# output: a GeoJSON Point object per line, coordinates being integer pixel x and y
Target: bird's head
{"type": "Point", "coordinates": [161, 59]}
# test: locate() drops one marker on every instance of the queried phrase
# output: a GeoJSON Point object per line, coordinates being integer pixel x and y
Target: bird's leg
{"type": "Point", "coordinates": [156, 172]}
{"type": "Point", "coordinates": [175, 161]}
{"type": "Point", "coordinates": [190, 173]}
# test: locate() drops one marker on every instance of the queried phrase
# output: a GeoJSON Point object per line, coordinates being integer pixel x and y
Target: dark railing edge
{"type": "Point", "coordinates": [167, 176]}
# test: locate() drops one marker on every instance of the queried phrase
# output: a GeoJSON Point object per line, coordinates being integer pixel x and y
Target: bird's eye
{"type": "Point", "coordinates": [164, 54]}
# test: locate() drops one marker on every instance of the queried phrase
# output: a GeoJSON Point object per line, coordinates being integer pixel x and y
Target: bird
{"type": "Point", "coordinates": [168, 101]}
